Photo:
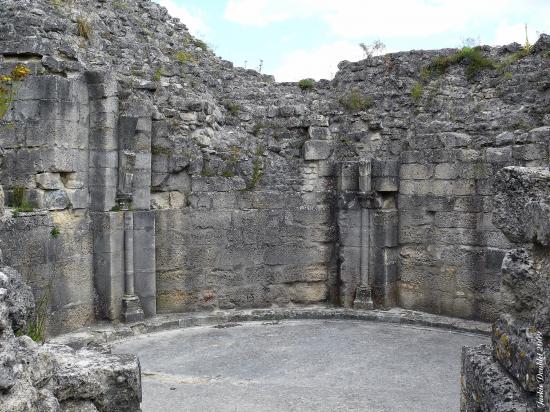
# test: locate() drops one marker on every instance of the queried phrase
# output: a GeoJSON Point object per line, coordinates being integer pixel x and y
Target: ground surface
{"type": "Point", "coordinates": [309, 365]}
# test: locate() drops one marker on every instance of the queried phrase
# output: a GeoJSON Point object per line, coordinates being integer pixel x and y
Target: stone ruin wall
{"type": "Point", "coordinates": [246, 190]}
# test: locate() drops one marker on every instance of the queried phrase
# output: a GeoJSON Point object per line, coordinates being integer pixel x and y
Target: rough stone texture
{"type": "Point", "coordinates": [241, 171]}
{"type": "Point", "coordinates": [486, 387]}
{"type": "Point", "coordinates": [55, 377]}
{"type": "Point", "coordinates": [519, 368]}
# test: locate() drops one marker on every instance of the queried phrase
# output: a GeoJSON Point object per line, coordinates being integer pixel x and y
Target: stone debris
{"type": "Point", "coordinates": [54, 377]}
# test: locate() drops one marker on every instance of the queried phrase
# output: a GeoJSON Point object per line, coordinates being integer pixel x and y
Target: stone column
{"type": "Point", "coordinates": [363, 294]}
{"type": "Point", "coordinates": [131, 305]}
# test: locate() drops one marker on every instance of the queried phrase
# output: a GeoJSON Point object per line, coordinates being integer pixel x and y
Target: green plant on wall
{"type": "Point", "coordinates": [19, 203]}
{"type": "Point", "coordinates": [257, 169]}
{"type": "Point", "coordinates": [84, 28]}
{"type": "Point", "coordinates": [185, 57]}
{"type": "Point", "coordinates": [55, 232]}
{"type": "Point", "coordinates": [9, 86]}
{"type": "Point", "coordinates": [355, 101]}
{"type": "Point", "coordinates": [232, 162]}
{"type": "Point", "coordinates": [157, 75]}
{"type": "Point", "coordinates": [417, 91]}
{"type": "Point", "coordinates": [306, 84]}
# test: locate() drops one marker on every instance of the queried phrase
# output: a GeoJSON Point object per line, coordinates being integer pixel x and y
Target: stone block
{"type": "Point", "coordinates": [485, 385]}
{"type": "Point", "coordinates": [385, 184]}
{"type": "Point", "coordinates": [78, 198]}
{"type": "Point", "coordinates": [319, 133]}
{"type": "Point", "coordinates": [415, 171]}
{"type": "Point", "coordinates": [144, 260]}
{"type": "Point", "coordinates": [384, 230]}
{"type": "Point", "coordinates": [182, 182]}
{"type": "Point", "coordinates": [55, 200]}
{"type": "Point", "coordinates": [515, 348]}
{"type": "Point", "coordinates": [498, 154]}
{"type": "Point", "coordinates": [217, 184]}
{"type": "Point", "coordinates": [535, 151]}
{"type": "Point", "coordinates": [348, 176]}
{"type": "Point", "coordinates": [318, 149]}
{"type": "Point", "coordinates": [50, 181]}
{"type": "Point", "coordinates": [385, 168]}
{"type": "Point", "coordinates": [108, 234]}
{"type": "Point", "coordinates": [453, 139]}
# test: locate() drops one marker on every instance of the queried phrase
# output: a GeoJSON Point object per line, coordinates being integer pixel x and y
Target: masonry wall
{"type": "Point", "coordinates": [237, 176]}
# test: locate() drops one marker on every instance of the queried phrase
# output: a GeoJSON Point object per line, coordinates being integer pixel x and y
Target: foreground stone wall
{"type": "Point", "coordinates": [53, 377]}
{"type": "Point", "coordinates": [238, 179]}
{"type": "Point", "coordinates": [514, 374]}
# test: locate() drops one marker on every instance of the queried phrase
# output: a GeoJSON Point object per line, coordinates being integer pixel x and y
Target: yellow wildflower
{"type": "Point", "coordinates": [5, 79]}
{"type": "Point", "coordinates": [19, 72]}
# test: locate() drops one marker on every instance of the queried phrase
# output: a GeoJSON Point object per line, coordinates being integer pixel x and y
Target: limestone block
{"type": "Point", "coordinates": [317, 149]}
{"type": "Point", "coordinates": [55, 200]}
{"type": "Point", "coordinates": [485, 385]}
{"type": "Point", "coordinates": [144, 260]}
{"type": "Point", "coordinates": [413, 156]}
{"type": "Point", "coordinates": [523, 288]}
{"type": "Point", "coordinates": [415, 171]}
{"type": "Point", "coordinates": [384, 231]}
{"type": "Point", "coordinates": [319, 133]}
{"type": "Point", "coordinates": [535, 151]}
{"type": "Point", "coordinates": [179, 181]}
{"type": "Point", "coordinates": [498, 154]}
{"type": "Point", "coordinates": [349, 270]}
{"type": "Point", "coordinates": [49, 181]}
{"type": "Point", "coordinates": [515, 188]}
{"type": "Point", "coordinates": [302, 292]}
{"type": "Point", "coordinates": [112, 381]}
{"type": "Point", "coordinates": [177, 200]}
{"type": "Point", "coordinates": [108, 234]}
{"type": "Point", "coordinates": [454, 139]}
{"type": "Point", "coordinates": [515, 347]}
{"type": "Point", "coordinates": [385, 168]}
{"type": "Point", "coordinates": [348, 176]}
{"type": "Point", "coordinates": [160, 200]}
{"type": "Point", "coordinates": [216, 184]}
{"type": "Point", "coordinates": [78, 198]}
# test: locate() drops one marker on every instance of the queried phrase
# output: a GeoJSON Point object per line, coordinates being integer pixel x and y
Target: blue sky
{"type": "Point", "coordinates": [307, 38]}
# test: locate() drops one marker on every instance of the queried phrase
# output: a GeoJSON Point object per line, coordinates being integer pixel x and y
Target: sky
{"type": "Point", "coordinates": [297, 39]}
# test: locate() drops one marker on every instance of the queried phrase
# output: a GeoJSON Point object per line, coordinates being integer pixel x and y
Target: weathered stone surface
{"type": "Point", "coordinates": [520, 335]}
{"type": "Point", "coordinates": [36, 377]}
{"type": "Point", "coordinates": [224, 147]}
{"type": "Point", "coordinates": [514, 344]}
{"type": "Point", "coordinates": [486, 387]}
{"type": "Point", "coordinates": [317, 149]}
{"type": "Point", "coordinates": [49, 181]}
{"type": "Point", "coordinates": [516, 189]}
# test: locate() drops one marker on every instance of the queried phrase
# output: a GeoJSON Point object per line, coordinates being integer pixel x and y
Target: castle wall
{"type": "Point", "coordinates": [236, 176]}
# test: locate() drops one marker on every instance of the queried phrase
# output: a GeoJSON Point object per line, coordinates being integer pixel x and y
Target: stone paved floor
{"type": "Point", "coordinates": [305, 365]}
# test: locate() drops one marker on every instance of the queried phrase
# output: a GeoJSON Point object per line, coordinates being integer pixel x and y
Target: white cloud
{"type": "Point", "coordinates": [259, 13]}
{"type": "Point", "coordinates": [506, 34]}
{"type": "Point", "coordinates": [379, 19]}
{"type": "Point", "coordinates": [318, 63]}
{"type": "Point", "coordinates": [193, 20]}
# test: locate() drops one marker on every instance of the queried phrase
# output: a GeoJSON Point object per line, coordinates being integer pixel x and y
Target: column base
{"type": "Point", "coordinates": [363, 298]}
{"type": "Point", "coordinates": [131, 309]}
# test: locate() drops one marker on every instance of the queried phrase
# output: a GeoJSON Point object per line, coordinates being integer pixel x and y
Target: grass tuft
{"type": "Point", "coordinates": [84, 28]}
{"type": "Point", "coordinates": [306, 84]}
{"type": "Point", "coordinates": [355, 101]}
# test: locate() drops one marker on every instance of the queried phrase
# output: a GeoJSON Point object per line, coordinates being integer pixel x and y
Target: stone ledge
{"type": "Point", "coordinates": [106, 333]}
